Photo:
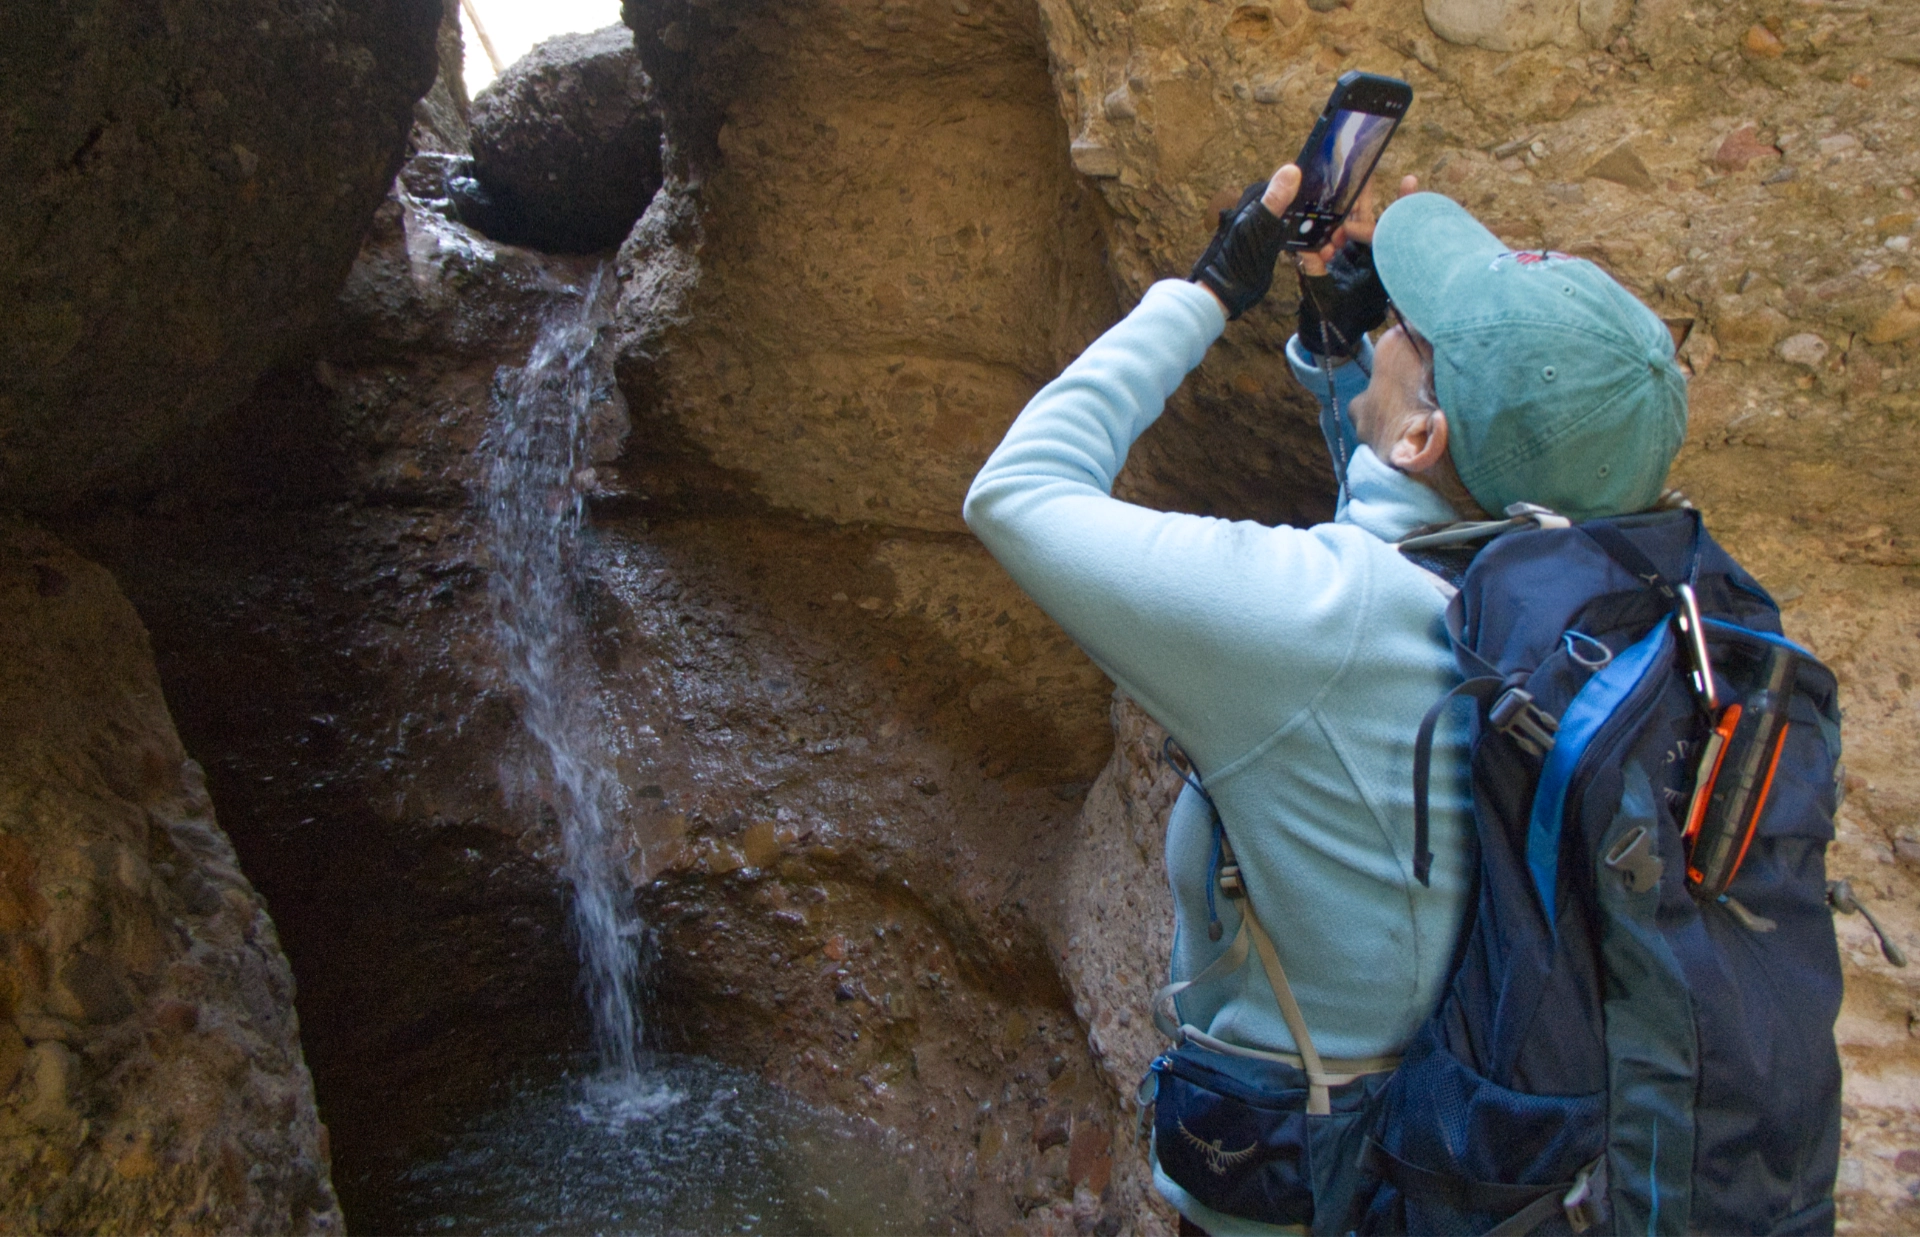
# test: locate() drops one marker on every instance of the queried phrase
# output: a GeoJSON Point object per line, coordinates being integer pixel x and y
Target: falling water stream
{"type": "Point", "coordinates": [536, 508]}
{"type": "Point", "coordinates": [626, 1141]}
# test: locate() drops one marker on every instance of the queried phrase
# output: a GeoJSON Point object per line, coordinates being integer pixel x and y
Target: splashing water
{"type": "Point", "coordinates": [700, 1149]}
{"type": "Point", "coordinates": [536, 507]}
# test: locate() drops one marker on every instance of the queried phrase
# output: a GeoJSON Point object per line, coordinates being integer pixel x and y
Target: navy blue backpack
{"type": "Point", "coordinates": [1638, 1032]}
{"type": "Point", "coordinates": [1612, 1022]}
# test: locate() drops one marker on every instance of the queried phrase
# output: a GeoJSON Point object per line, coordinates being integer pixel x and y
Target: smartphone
{"type": "Point", "coordinates": [1347, 141]}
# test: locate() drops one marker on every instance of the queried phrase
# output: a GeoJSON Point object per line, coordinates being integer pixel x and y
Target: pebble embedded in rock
{"type": "Point", "coordinates": [1622, 165]}
{"type": "Point", "coordinates": [1762, 43]}
{"type": "Point", "coordinates": [1805, 348]}
{"type": "Point", "coordinates": [1741, 147]}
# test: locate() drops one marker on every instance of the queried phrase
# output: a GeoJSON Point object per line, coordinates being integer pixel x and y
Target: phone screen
{"type": "Point", "coordinates": [1331, 176]}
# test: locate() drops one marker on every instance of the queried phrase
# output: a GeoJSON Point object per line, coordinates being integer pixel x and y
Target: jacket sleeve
{"type": "Point", "coordinates": [1222, 630]}
{"type": "Point", "coordinates": [1349, 377]}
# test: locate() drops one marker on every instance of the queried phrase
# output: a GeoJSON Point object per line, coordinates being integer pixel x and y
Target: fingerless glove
{"type": "Point", "coordinates": [1238, 265]}
{"type": "Point", "coordinates": [1338, 308]}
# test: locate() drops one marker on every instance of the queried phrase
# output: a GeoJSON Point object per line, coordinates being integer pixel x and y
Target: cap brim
{"type": "Point", "coordinates": [1426, 248]}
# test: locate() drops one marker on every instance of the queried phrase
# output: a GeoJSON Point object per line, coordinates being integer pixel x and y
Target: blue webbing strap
{"type": "Point", "coordinates": [1590, 710]}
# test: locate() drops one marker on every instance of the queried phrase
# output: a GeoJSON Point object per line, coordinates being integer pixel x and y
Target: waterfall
{"type": "Point", "coordinates": [536, 509]}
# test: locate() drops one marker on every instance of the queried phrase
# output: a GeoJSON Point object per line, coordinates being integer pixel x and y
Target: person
{"type": "Point", "coordinates": [1294, 665]}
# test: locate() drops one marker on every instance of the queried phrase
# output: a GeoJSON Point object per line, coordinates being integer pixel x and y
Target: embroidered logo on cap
{"type": "Point", "coordinates": [1530, 257]}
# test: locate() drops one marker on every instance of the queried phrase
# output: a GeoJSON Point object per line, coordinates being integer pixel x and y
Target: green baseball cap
{"type": "Point", "coordinates": [1560, 388]}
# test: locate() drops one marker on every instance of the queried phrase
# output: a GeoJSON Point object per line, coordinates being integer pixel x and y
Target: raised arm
{"type": "Point", "coordinates": [1193, 617]}
{"type": "Point", "coordinates": [1222, 630]}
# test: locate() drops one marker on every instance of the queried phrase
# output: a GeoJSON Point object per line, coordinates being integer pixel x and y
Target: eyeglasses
{"type": "Point", "coordinates": [1419, 341]}
{"type": "Point", "coordinates": [1422, 348]}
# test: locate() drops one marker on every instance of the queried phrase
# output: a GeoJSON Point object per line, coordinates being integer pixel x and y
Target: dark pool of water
{"type": "Point", "coordinates": [689, 1147]}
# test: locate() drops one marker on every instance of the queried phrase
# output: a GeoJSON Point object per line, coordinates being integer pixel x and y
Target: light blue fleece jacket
{"type": "Point", "coordinates": [1293, 665]}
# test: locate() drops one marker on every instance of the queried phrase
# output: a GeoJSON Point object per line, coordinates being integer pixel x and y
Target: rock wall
{"type": "Point", "coordinates": [890, 251]}
{"type": "Point", "coordinates": [828, 738]}
{"type": "Point", "coordinates": [316, 591]}
{"type": "Point", "coordinates": [183, 189]}
{"type": "Point", "coordinates": [870, 250]}
{"type": "Point", "coordinates": [151, 1078]}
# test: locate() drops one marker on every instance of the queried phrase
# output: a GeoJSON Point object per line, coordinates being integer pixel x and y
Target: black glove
{"type": "Point", "coordinates": [1238, 265]}
{"type": "Point", "coordinates": [1338, 308]}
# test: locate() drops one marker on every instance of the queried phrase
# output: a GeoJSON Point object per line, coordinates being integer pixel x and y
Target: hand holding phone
{"type": "Point", "coordinates": [1305, 204]}
{"type": "Point", "coordinates": [1336, 163]}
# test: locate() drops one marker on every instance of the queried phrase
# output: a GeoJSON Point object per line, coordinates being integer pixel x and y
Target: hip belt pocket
{"type": "Point", "coordinates": [1234, 1133]}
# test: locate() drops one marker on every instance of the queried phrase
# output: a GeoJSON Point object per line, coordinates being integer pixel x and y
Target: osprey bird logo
{"type": "Point", "coordinates": [1219, 1159]}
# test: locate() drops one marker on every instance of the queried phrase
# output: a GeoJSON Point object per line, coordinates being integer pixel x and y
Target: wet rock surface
{"type": "Point", "coordinates": [849, 758]}
{"type": "Point", "coordinates": [429, 943]}
{"type": "Point", "coordinates": [318, 597]}
{"type": "Point", "coordinates": [566, 145]}
{"type": "Point", "coordinates": [184, 190]}
{"type": "Point", "coordinates": [151, 1077]}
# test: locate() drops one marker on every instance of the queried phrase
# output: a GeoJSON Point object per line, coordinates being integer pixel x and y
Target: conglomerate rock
{"type": "Point", "coordinates": [567, 145]}
{"type": "Point", "coordinates": [151, 1078]}
{"type": "Point", "coordinates": [182, 188]}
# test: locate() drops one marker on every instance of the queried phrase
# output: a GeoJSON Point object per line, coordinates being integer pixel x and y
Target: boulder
{"type": "Point", "coordinates": [566, 146]}
{"type": "Point", "coordinates": [151, 1078]}
{"type": "Point", "coordinates": [182, 190]}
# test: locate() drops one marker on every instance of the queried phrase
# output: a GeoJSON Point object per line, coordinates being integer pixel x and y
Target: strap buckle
{"type": "Point", "coordinates": [1636, 857]}
{"type": "Point", "coordinates": [1515, 715]}
{"type": "Point", "coordinates": [1585, 1203]}
{"type": "Point", "coordinates": [1540, 517]}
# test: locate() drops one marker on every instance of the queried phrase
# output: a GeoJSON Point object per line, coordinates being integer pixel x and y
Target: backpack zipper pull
{"type": "Point", "coordinates": [1748, 920]}
{"type": "Point", "coordinates": [1840, 897]}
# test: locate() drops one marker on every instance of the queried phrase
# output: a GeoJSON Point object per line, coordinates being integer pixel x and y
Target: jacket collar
{"type": "Point", "coordinates": [1388, 503]}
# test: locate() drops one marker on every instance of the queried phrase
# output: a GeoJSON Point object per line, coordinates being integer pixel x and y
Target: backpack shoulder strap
{"type": "Point", "coordinates": [1323, 1073]}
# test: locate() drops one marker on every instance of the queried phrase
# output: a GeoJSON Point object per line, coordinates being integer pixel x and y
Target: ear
{"type": "Point", "coordinates": [1422, 444]}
